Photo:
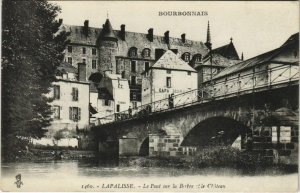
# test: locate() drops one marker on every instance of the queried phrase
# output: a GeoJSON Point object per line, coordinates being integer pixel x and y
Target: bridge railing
{"type": "Point", "coordinates": [253, 81]}
{"type": "Point", "coordinates": [212, 91]}
{"type": "Point", "coordinates": [173, 102]}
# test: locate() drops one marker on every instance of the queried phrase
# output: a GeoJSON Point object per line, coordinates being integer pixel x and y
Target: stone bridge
{"type": "Point", "coordinates": [255, 117]}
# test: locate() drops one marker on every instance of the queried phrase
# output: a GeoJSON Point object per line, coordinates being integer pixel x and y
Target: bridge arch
{"type": "Point", "coordinates": [215, 131]}
{"type": "Point", "coordinates": [144, 147]}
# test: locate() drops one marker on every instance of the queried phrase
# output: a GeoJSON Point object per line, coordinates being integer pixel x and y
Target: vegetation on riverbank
{"type": "Point", "coordinates": [214, 157]}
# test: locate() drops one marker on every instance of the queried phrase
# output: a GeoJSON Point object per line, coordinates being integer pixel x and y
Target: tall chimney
{"type": "Point", "coordinates": [167, 37]}
{"type": "Point", "coordinates": [60, 21]}
{"type": "Point", "coordinates": [150, 35]}
{"type": "Point", "coordinates": [122, 32]}
{"type": "Point", "coordinates": [183, 38]}
{"type": "Point", "coordinates": [86, 23]}
{"type": "Point", "coordinates": [86, 27]}
{"type": "Point", "coordinates": [82, 72]}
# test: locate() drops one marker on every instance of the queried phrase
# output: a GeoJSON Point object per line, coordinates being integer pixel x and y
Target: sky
{"type": "Point", "coordinates": [256, 27]}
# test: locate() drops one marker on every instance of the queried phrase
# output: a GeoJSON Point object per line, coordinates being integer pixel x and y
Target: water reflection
{"type": "Point", "coordinates": [123, 168]}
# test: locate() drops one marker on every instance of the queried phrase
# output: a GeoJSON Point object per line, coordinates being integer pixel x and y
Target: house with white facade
{"type": "Point", "coordinates": [70, 105]}
{"type": "Point", "coordinates": [167, 77]}
{"type": "Point", "coordinates": [109, 98]}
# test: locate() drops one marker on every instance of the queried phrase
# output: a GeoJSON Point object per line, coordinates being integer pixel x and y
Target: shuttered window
{"type": "Point", "coordinates": [56, 92]}
{"type": "Point", "coordinates": [74, 113]}
{"type": "Point", "coordinates": [75, 94]}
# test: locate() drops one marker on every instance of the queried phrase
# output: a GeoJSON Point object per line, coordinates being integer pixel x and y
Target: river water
{"type": "Point", "coordinates": [98, 175]}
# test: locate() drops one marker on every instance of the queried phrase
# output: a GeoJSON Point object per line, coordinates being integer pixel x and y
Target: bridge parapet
{"type": "Point", "coordinates": [270, 76]}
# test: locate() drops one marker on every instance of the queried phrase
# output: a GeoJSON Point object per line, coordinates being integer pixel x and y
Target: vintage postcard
{"type": "Point", "coordinates": [149, 96]}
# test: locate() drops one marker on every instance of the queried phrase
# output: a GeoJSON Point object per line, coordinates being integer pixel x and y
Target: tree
{"type": "Point", "coordinates": [32, 48]}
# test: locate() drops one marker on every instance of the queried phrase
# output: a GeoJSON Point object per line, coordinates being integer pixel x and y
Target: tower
{"type": "Point", "coordinates": [107, 42]}
{"type": "Point", "coordinates": [208, 39]}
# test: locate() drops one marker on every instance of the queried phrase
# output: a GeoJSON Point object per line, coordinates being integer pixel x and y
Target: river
{"type": "Point", "coordinates": [82, 175]}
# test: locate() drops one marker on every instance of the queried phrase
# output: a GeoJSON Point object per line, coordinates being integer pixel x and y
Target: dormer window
{"type": "Point", "coordinates": [186, 57]}
{"type": "Point", "coordinates": [133, 52]}
{"type": "Point", "coordinates": [198, 58]}
{"type": "Point", "coordinates": [146, 52]}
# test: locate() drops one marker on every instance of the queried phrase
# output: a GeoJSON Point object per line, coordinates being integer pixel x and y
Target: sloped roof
{"type": "Point", "coordinates": [93, 87]}
{"type": "Point", "coordinates": [171, 61]}
{"type": "Point", "coordinates": [133, 39]}
{"type": "Point", "coordinates": [265, 57]}
{"type": "Point", "coordinates": [104, 94]}
{"type": "Point", "coordinates": [292, 38]}
{"type": "Point", "coordinates": [218, 60]}
{"type": "Point", "coordinates": [227, 51]}
{"type": "Point", "coordinates": [66, 67]}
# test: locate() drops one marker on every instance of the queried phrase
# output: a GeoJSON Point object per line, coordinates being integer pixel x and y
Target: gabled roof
{"type": "Point", "coordinates": [265, 57]}
{"type": "Point", "coordinates": [227, 51]}
{"type": "Point", "coordinates": [217, 60]}
{"type": "Point", "coordinates": [171, 61]}
{"type": "Point", "coordinates": [67, 68]}
{"type": "Point", "coordinates": [103, 93]}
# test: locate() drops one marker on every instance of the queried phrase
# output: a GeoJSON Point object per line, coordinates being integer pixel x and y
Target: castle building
{"type": "Point", "coordinates": [129, 53]}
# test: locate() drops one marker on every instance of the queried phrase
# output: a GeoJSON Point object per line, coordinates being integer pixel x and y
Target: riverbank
{"type": "Point", "coordinates": [36, 155]}
{"type": "Point", "coordinates": [218, 157]}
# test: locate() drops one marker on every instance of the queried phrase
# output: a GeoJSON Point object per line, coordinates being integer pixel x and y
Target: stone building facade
{"type": "Point", "coordinates": [129, 53]}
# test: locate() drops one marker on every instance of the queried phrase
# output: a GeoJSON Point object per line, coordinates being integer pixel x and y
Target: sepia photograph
{"type": "Point", "coordinates": [149, 96]}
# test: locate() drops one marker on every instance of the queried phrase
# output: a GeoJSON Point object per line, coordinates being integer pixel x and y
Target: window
{"type": "Point", "coordinates": [74, 113]}
{"type": "Point", "coordinates": [94, 51]}
{"type": "Point", "coordinates": [133, 96]}
{"type": "Point", "coordinates": [189, 73]}
{"type": "Point", "coordinates": [94, 64]}
{"type": "Point", "coordinates": [106, 102]}
{"type": "Point", "coordinates": [168, 71]}
{"type": "Point", "coordinates": [83, 60]}
{"type": "Point", "coordinates": [70, 49]}
{"type": "Point", "coordinates": [118, 108]}
{"type": "Point", "coordinates": [198, 58]}
{"type": "Point", "coordinates": [133, 66]}
{"type": "Point", "coordinates": [186, 57]}
{"type": "Point", "coordinates": [133, 80]}
{"type": "Point", "coordinates": [56, 93]}
{"type": "Point", "coordinates": [146, 52]}
{"type": "Point", "coordinates": [70, 60]}
{"type": "Point", "coordinates": [133, 52]}
{"type": "Point", "coordinates": [83, 50]}
{"type": "Point", "coordinates": [285, 134]}
{"type": "Point", "coordinates": [56, 112]}
{"type": "Point", "coordinates": [168, 82]}
{"type": "Point", "coordinates": [75, 94]}
{"type": "Point", "coordinates": [123, 74]}
{"type": "Point", "coordinates": [147, 65]}
{"type": "Point", "coordinates": [134, 104]}
{"type": "Point", "coordinates": [274, 134]}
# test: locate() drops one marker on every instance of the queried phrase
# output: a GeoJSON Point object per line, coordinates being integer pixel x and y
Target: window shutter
{"type": "Point", "coordinates": [77, 94]}
{"type": "Point", "coordinates": [70, 113]}
{"type": "Point", "coordinates": [79, 113]}
{"type": "Point", "coordinates": [73, 93]}
{"type": "Point", "coordinates": [58, 87]}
